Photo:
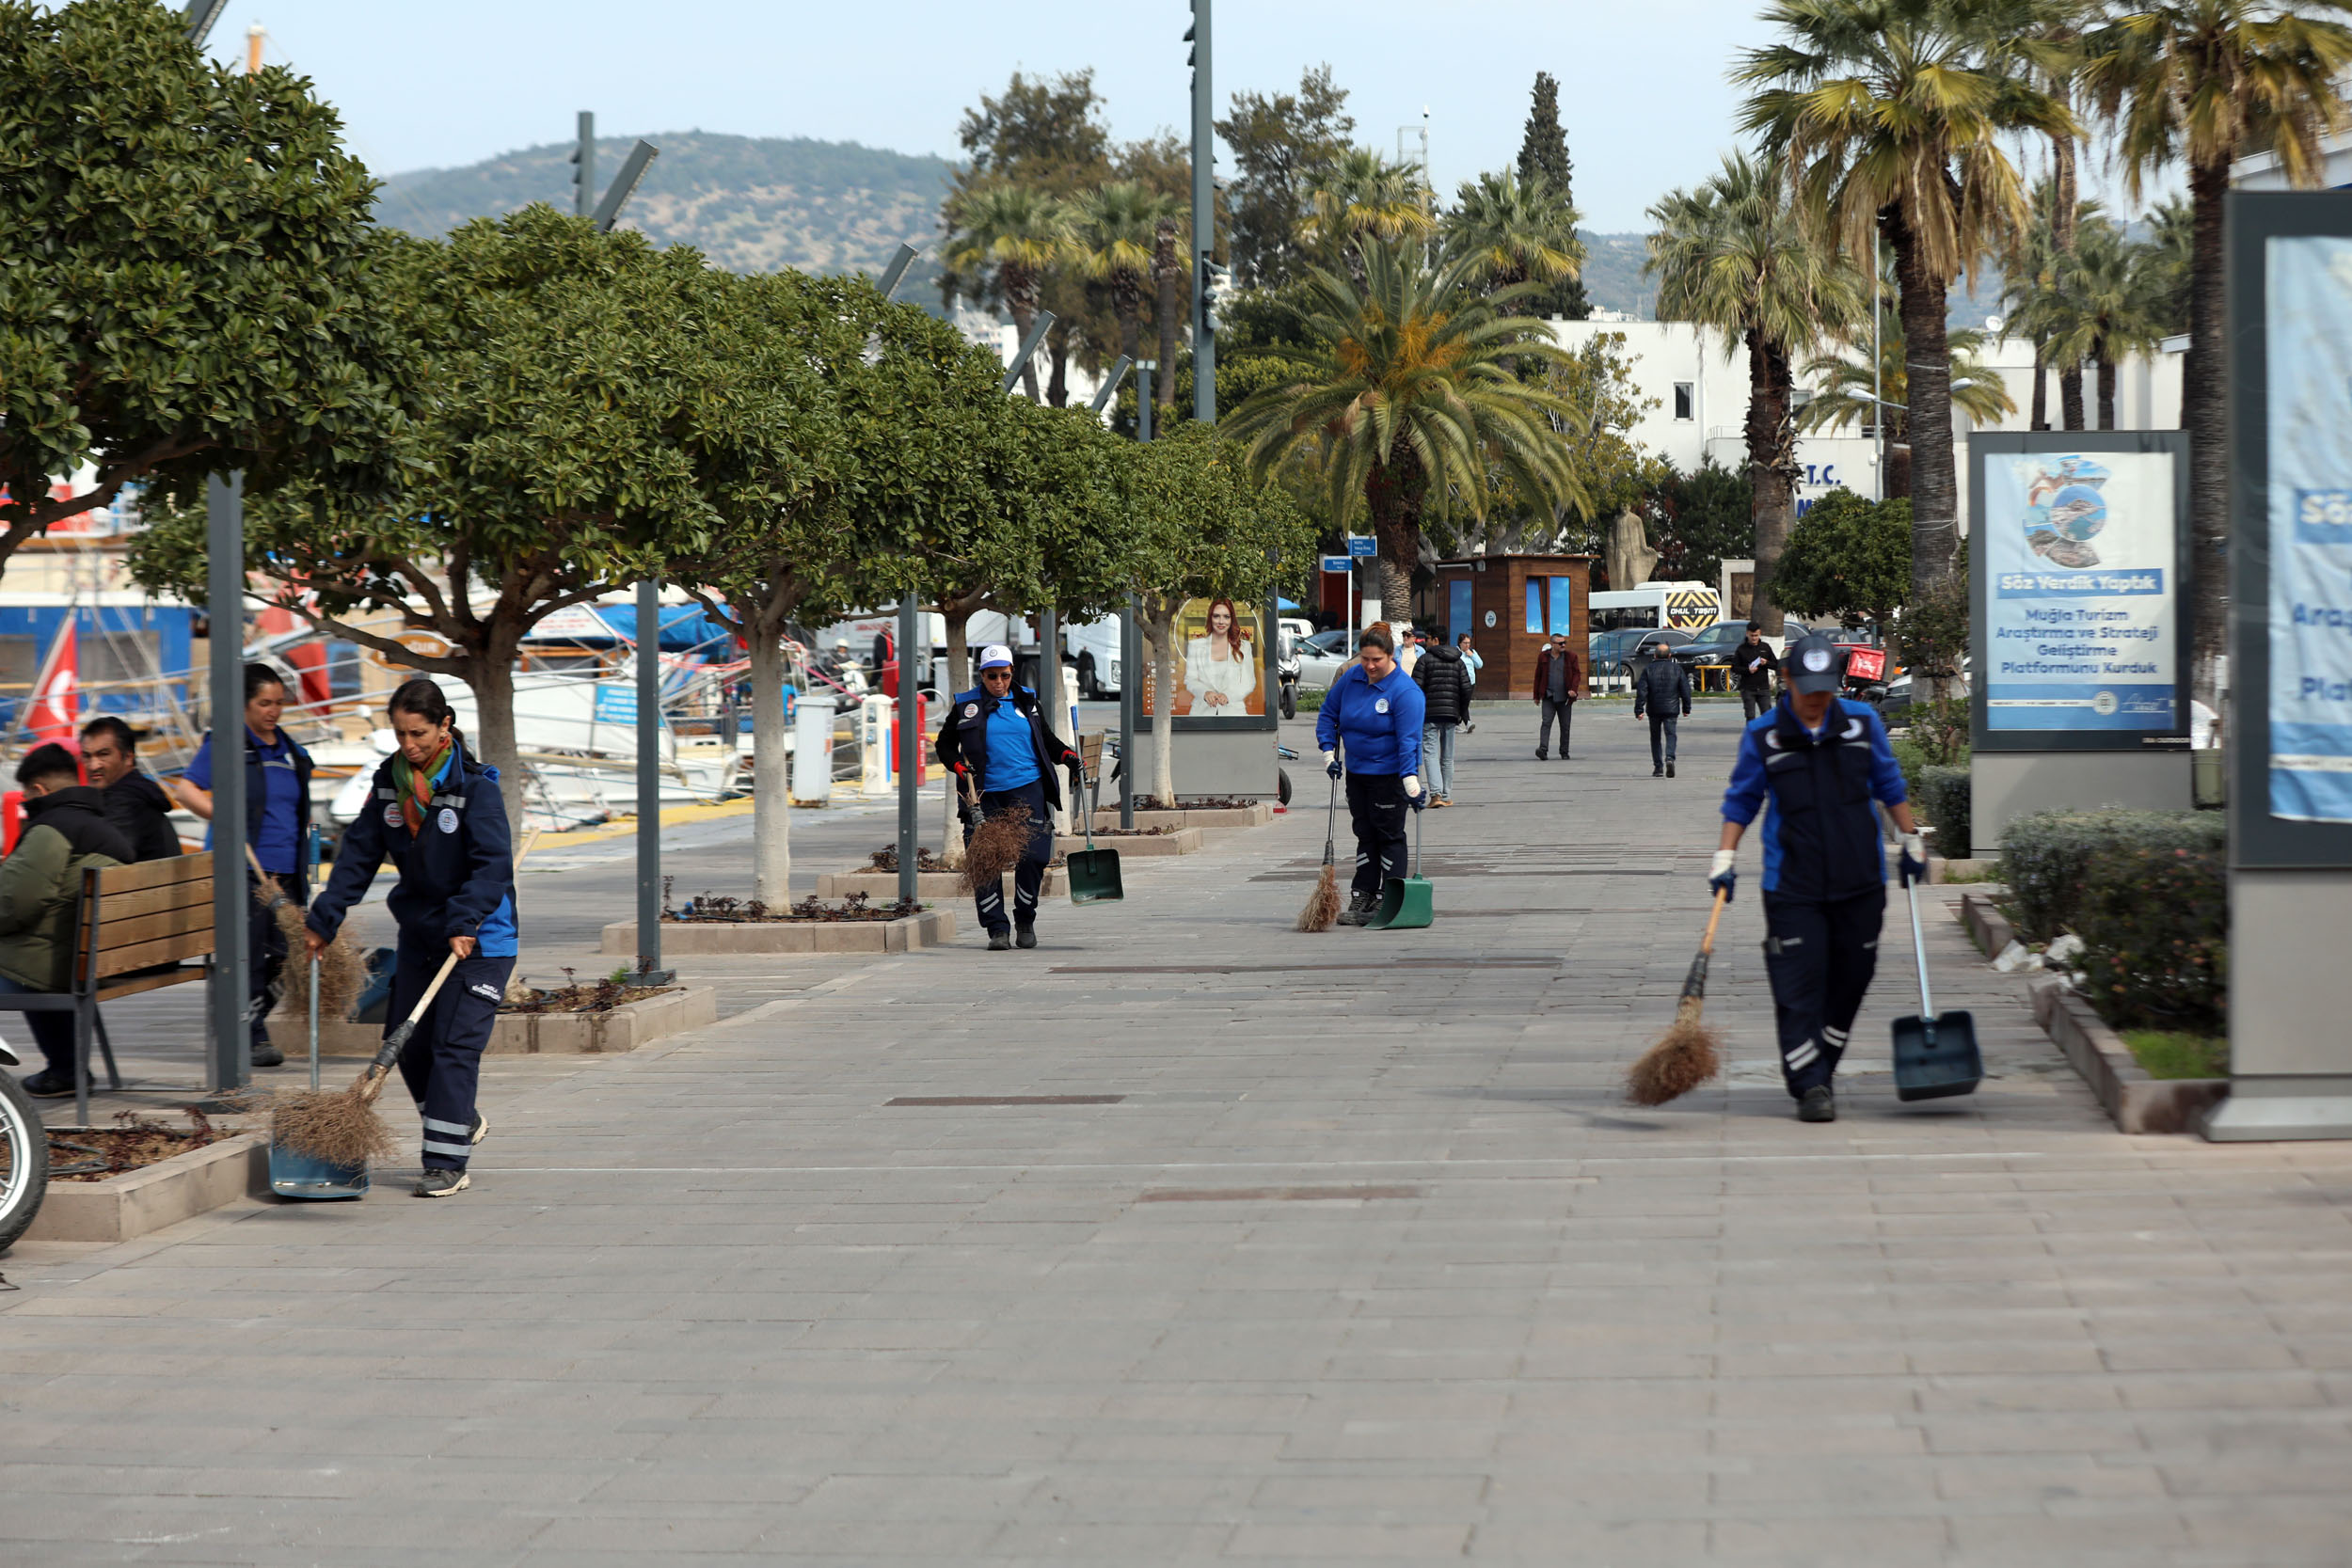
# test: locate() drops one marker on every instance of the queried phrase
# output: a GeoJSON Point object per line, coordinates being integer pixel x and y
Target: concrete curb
{"type": "Point", "coordinates": [883, 886]}
{"type": "Point", "coordinates": [682, 938]}
{"type": "Point", "coordinates": [2137, 1103]}
{"type": "Point", "coordinates": [124, 1207]}
{"type": "Point", "coordinates": [1183, 841]}
{"type": "Point", "coordinates": [624, 1028]}
{"type": "Point", "coordinates": [1987, 927]}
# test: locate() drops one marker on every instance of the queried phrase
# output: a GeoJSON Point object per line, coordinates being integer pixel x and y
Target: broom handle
{"type": "Point", "coordinates": [398, 1036]}
{"type": "Point", "coordinates": [1706, 944]}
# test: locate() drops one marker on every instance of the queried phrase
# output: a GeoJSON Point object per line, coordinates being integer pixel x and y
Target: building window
{"type": "Point", "coordinates": [1686, 400]}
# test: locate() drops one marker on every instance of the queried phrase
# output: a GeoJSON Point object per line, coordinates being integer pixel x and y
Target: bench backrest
{"type": "Point", "coordinates": [139, 916]}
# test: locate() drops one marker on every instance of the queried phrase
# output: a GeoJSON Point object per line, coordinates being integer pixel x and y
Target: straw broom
{"type": "Point", "coordinates": [1685, 1055]}
{"type": "Point", "coordinates": [1323, 905]}
{"type": "Point", "coordinates": [342, 973]}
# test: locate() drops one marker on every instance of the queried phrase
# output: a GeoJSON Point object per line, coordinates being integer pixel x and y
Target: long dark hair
{"type": "Point", "coordinates": [425, 700]}
{"type": "Point", "coordinates": [257, 675]}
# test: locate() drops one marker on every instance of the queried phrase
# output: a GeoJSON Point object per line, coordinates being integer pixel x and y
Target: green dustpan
{"type": "Point", "coordinates": [1406, 903]}
{"type": "Point", "coordinates": [1093, 873]}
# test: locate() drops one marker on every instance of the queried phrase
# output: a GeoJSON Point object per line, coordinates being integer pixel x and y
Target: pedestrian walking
{"type": "Point", "coordinates": [1445, 682]}
{"type": "Point", "coordinates": [1408, 647]}
{"type": "Point", "coordinates": [135, 804]}
{"type": "Point", "coordinates": [1755, 665]}
{"type": "Point", "coordinates": [437, 815]}
{"type": "Point", "coordinates": [1374, 713]}
{"type": "Point", "coordinates": [1559, 682]}
{"type": "Point", "coordinates": [1814, 763]}
{"type": "Point", "coordinates": [1472, 663]}
{"type": "Point", "coordinates": [1661, 688]}
{"type": "Point", "coordinates": [277, 823]}
{"type": "Point", "coordinates": [995, 735]}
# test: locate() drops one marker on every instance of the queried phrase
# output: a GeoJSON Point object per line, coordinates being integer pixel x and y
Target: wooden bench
{"type": "Point", "coordinates": [136, 928]}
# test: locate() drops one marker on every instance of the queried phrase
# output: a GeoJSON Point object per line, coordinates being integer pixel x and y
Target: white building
{"type": "Point", "coordinates": [1700, 397]}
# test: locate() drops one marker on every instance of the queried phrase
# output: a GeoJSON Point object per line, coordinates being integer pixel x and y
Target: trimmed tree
{"type": "Point", "coordinates": [187, 273]}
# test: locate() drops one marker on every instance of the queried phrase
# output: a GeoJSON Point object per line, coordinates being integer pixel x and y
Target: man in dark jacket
{"type": "Point", "coordinates": [135, 804]}
{"type": "Point", "coordinates": [995, 735]}
{"type": "Point", "coordinates": [1754, 663]}
{"type": "Point", "coordinates": [1661, 689]}
{"type": "Point", "coordinates": [1559, 682]}
{"type": "Point", "coordinates": [65, 831]}
{"type": "Point", "coordinates": [1445, 693]}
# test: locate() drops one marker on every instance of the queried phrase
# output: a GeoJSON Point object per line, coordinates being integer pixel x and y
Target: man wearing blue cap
{"type": "Point", "coordinates": [1820, 760]}
{"type": "Point", "coordinates": [996, 735]}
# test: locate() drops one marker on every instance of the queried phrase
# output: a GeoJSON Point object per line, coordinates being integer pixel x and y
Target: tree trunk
{"type": "Point", "coordinates": [2065, 225]}
{"type": "Point", "coordinates": [1166, 273]}
{"type": "Point", "coordinates": [1927, 419]}
{"type": "Point", "coordinates": [1058, 384]}
{"type": "Point", "coordinates": [1127, 295]}
{"type": "Point", "coordinates": [772, 778]}
{"type": "Point", "coordinates": [2041, 387]}
{"type": "Point", "coordinates": [2107, 390]}
{"type": "Point", "coordinates": [1023, 317]}
{"type": "Point", "coordinates": [1770, 470]}
{"type": "Point", "coordinates": [959, 680]}
{"type": "Point", "coordinates": [1898, 467]}
{"type": "Point", "coordinates": [2205, 415]}
{"type": "Point", "coordinates": [2071, 395]}
{"type": "Point", "coordinates": [1393, 492]}
{"type": "Point", "coordinates": [491, 674]}
{"type": "Point", "coordinates": [1159, 630]}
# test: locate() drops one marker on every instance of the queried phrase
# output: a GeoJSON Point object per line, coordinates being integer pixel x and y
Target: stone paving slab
{"type": "Point", "coordinates": [1361, 1264]}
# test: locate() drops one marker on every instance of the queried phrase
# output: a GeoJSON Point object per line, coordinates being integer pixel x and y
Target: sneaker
{"type": "Point", "coordinates": [1656, 772]}
{"type": "Point", "coordinates": [1670, 770]}
{"type": "Point", "coordinates": [266, 1055]}
{"type": "Point", "coordinates": [442, 1183]}
{"type": "Point", "coordinates": [1000, 941]}
{"type": "Point", "coordinates": [1543, 756]}
{"type": "Point", "coordinates": [46, 1085]}
{"type": "Point", "coordinates": [481, 1129]}
{"type": "Point", "coordinates": [1819, 1104]}
{"type": "Point", "coordinates": [1026, 936]}
{"type": "Point", "coordinates": [1361, 907]}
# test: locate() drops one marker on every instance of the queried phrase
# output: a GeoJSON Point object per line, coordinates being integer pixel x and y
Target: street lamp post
{"type": "Point", "coordinates": [232, 1031]}
{"type": "Point", "coordinates": [1203, 220]}
{"type": "Point", "coordinates": [1130, 638]}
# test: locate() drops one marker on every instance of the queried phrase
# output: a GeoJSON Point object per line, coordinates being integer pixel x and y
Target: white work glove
{"type": "Point", "coordinates": [1332, 763]}
{"type": "Point", "coordinates": [1914, 866]}
{"type": "Point", "coordinates": [1412, 786]}
{"type": "Point", "coordinates": [1723, 876]}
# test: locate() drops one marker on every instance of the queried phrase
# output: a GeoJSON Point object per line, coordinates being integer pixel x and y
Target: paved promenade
{"type": "Point", "coordinates": [1305, 1249]}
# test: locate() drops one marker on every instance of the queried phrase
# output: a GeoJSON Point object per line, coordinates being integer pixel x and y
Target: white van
{"type": "Point", "coordinates": [1094, 650]}
{"type": "Point", "coordinates": [1689, 606]}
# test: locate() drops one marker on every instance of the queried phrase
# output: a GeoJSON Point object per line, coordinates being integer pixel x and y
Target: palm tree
{"type": "Point", "coordinates": [1893, 113]}
{"type": "Point", "coordinates": [1406, 402]}
{"type": "Point", "coordinates": [2031, 296]}
{"type": "Point", "coordinates": [1116, 231]}
{"type": "Point", "coordinates": [1015, 233]}
{"type": "Point", "coordinates": [2111, 305]}
{"type": "Point", "coordinates": [1846, 384]}
{"type": "Point", "coordinates": [1170, 277]}
{"type": "Point", "coordinates": [1363, 196]}
{"type": "Point", "coordinates": [2202, 82]}
{"type": "Point", "coordinates": [1522, 232]}
{"type": "Point", "coordinates": [1736, 255]}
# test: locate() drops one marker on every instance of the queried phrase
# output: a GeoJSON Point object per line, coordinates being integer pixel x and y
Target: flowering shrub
{"type": "Point", "coordinates": [2155, 930]}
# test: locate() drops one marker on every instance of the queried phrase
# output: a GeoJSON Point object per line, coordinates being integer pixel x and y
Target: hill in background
{"type": "Point", "coordinates": [749, 203]}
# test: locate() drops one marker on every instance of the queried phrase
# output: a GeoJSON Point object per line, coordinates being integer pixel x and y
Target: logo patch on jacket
{"type": "Point", "coordinates": [449, 819]}
{"type": "Point", "coordinates": [970, 710]}
{"type": "Point", "coordinates": [486, 989]}
{"type": "Point", "coordinates": [1381, 705]}
{"type": "Point", "coordinates": [391, 815]}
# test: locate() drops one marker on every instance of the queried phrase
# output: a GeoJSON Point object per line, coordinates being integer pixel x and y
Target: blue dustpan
{"type": "Point", "coordinates": [293, 1175]}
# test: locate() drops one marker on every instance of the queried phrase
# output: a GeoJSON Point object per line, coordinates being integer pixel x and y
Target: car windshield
{"type": "Point", "coordinates": [1328, 641]}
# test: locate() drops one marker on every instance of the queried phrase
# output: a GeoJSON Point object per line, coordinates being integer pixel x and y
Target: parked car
{"type": "Point", "coordinates": [1321, 656]}
{"type": "Point", "coordinates": [1715, 645]}
{"type": "Point", "coordinates": [1615, 653]}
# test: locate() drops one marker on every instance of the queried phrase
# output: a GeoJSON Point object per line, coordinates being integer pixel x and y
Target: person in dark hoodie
{"type": "Point", "coordinates": [1444, 682]}
{"type": "Point", "coordinates": [65, 831]}
{"type": "Point", "coordinates": [135, 804]}
{"type": "Point", "coordinates": [436, 814]}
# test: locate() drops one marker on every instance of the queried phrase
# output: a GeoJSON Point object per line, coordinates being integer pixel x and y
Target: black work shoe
{"type": "Point", "coordinates": [1024, 937]}
{"type": "Point", "coordinates": [1656, 772]}
{"type": "Point", "coordinates": [266, 1055]}
{"type": "Point", "coordinates": [1000, 941]}
{"type": "Point", "coordinates": [1543, 756]}
{"type": "Point", "coordinates": [1361, 907]}
{"type": "Point", "coordinates": [442, 1183]}
{"type": "Point", "coordinates": [481, 1129]}
{"type": "Point", "coordinates": [1670, 770]}
{"type": "Point", "coordinates": [1819, 1104]}
{"type": "Point", "coordinates": [45, 1084]}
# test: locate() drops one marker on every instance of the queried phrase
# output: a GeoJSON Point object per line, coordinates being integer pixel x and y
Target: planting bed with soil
{"type": "Point", "coordinates": [595, 996]}
{"type": "Point", "coordinates": [710, 909]}
{"type": "Point", "coordinates": [95, 1154]}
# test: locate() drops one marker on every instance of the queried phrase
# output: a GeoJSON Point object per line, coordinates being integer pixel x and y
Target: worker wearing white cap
{"type": "Point", "coordinates": [996, 735]}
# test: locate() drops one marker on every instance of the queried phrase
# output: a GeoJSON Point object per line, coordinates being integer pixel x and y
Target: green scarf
{"type": "Point", "coordinates": [416, 784]}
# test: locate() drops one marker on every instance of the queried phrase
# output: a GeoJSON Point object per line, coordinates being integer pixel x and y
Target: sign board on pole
{"type": "Point", "coordinates": [1362, 544]}
{"type": "Point", "coordinates": [1335, 564]}
{"type": "Point", "coordinates": [2079, 551]}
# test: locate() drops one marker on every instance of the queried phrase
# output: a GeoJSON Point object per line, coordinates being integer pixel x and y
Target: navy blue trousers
{"type": "Point", "coordinates": [1820, 958]}
{"type": "Point", "coordinates": [441, 1063]}
{"type": "Point", "coordinates": [1028, 872]}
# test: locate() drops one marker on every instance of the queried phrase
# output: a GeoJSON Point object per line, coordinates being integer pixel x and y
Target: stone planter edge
{"type": "Point", "coordinates": [2134, 1100]}
{"type": "Point", "coordinates": [124, 1208]}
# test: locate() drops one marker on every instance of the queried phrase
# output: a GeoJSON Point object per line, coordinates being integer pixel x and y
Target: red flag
{"type": "Point", "coordinates": [57, 695]}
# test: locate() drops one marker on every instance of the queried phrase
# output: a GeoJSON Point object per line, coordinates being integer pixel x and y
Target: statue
{"type": "Point", "coordinates": [1630, 557]}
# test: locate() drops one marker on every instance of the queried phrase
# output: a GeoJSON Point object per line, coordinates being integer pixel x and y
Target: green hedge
{"type": "Point", "coordinates": [1941, 796]}
{"type": "Point", "coordinates": [2046, 857]}
{"type": "Point", "coordinates": [2155, 930]}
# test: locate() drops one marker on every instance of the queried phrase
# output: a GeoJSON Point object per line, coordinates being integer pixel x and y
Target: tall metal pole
{"type": "Point", "coordinates": [1877, 408]}
{"type": "Point", "coordinates": [1130, 636]}
{"type": "Point", "coordinates": [231, 1065]}
{"type": "Point", "coordinates": [910, 848]}
{"type": "Point", "coordinates": [649, 776]}
{"type": "Point", "coordinates": [584, 196]}
{"type": "Point", "coordinates": [1204, 219]}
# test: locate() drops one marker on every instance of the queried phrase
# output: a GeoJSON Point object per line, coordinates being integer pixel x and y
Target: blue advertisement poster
{"type": "Point", "coordinates": [2082, 613]}
{"type": "Point", "coordinates": [2310, 307]}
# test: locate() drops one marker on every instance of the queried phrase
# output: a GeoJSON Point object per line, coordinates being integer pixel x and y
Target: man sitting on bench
{"type": "Point", "coordinates": [65, 831]}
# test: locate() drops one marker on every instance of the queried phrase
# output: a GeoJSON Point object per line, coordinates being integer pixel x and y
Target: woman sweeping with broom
{"type": "Point", "coordinates": [436, 813]}
{"type": "Point", "coordinates": [1373, 713]}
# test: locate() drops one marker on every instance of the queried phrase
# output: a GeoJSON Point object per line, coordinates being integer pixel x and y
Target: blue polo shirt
{"type": "Point", "coordinates": [279, 844]}
{"type": "Point", "coordinates": [1011, 748]}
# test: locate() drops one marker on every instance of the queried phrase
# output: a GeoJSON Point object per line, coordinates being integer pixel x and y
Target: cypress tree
{"type": "Point", "coordinates": [1544, 157]}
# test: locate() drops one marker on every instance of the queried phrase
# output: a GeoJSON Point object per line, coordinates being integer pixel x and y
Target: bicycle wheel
{"type": "Point", "coordinates": [24, 1162]}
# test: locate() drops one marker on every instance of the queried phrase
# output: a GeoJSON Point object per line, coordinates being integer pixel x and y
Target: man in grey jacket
{"type": "Point", "coordinates": [1661, 689]}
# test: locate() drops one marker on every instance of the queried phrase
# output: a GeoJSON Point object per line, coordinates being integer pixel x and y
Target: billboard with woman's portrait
{"type": "Point", "coordinates": [1220, 663]}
